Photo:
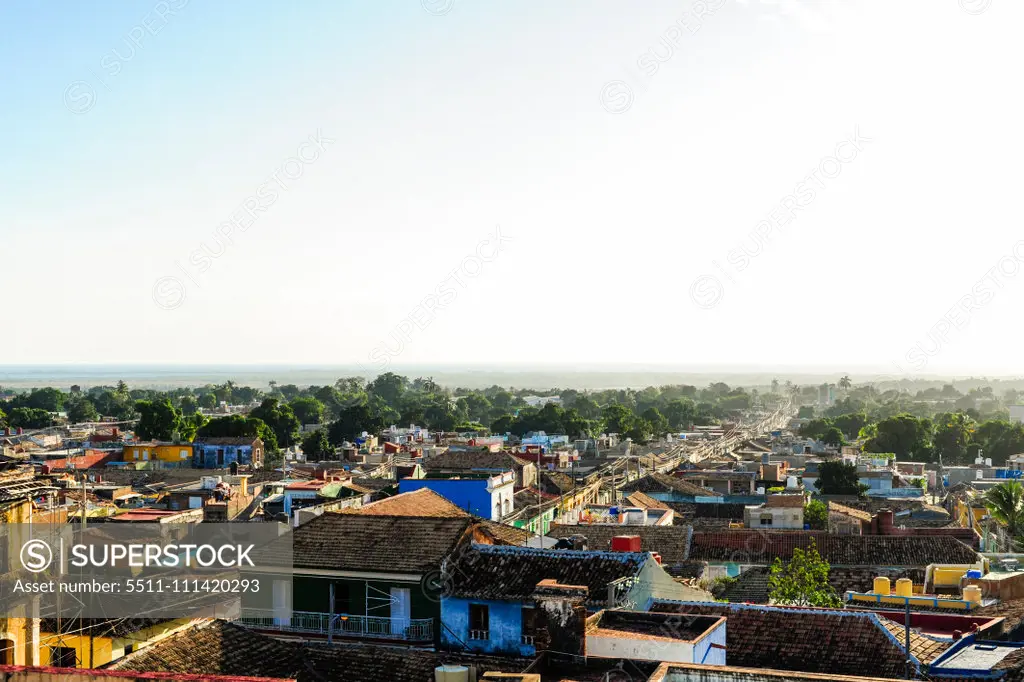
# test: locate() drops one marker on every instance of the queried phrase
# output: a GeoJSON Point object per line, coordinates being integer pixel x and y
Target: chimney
{"type": "Point", "coordinates": [885, 521]}
{"type": "Point", "coordinates": [563, 613]}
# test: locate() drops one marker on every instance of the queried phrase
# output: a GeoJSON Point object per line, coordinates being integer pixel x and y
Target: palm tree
{"type": "Point", "coordinates": [1005, 503]}
{"type": "Point", "coordinates": [845, 383]}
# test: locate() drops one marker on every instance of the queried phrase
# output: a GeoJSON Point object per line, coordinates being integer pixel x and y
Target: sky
{"type": "Point", "coordinates": [795, 183]}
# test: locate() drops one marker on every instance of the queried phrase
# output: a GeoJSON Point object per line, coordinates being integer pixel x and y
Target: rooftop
{"type": "Point", "coordinates": [511, 573]}
{"type": "Point", "coordinates": [758, 547]}
{"type": "Point", "coordinates": [671, 542]}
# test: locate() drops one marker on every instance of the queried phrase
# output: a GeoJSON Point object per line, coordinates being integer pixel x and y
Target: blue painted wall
{"type": "Point", "coordinates": [204, 456]}
{"type": "Point", "coordinates": [705, 654]}
{"type": "Point", "coordinates": [505, 621]}
{"type": "Point", "coordinates": [468, 493]}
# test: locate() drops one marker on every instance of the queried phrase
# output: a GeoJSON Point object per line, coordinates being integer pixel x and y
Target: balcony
{"type": "Point", "coordinates": [341, 625]}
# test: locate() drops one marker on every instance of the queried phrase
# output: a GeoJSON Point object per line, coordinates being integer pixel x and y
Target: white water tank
{"type": "Point", "coordinates": [760, 491]}
{"type": "Point", "coordinates": [451, 673]}
{"type": "Point", "coordinates": [979, 473]}
{"type": "Point", "coordinates": [988, 461]}
{"type": "Point", "coordinates": [979, 460]}
{"type": "Point", "coordinates": [791, 482]}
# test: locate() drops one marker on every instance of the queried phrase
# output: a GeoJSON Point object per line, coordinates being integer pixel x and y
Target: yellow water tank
{"type": "Point", "coordinates": [972, 593]}
{"type": "Point", "coordinates": [882, 585]}
{"type": "Point", "coordinates": [904, 587]}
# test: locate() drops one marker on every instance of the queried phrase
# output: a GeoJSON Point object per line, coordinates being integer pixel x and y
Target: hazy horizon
{"type": "Point", "coordinates": [539, 376]}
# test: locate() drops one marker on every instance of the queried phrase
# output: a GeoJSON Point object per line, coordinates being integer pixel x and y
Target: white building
{"type": "Point", "coordinates": [779, 511]}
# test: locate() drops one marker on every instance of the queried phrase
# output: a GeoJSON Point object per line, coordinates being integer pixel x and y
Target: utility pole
{"type": "Point", "coordinates": [83, 506]}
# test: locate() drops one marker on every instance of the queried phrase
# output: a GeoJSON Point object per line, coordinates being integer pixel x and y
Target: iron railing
{"type": "Point", "coordinates": [341, 625]}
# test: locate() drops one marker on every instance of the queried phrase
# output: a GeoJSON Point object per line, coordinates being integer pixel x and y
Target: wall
{"type": "Point", "coordinates": [205, 455]}
{"type": "Point", "coordinates": [468, 493]}
{"type": "Point", "coordinates": [311, 593]}
{"type": "Point", "coordinates": [505, 620]}
{"type": "Point", "coordinates": [629, 646]}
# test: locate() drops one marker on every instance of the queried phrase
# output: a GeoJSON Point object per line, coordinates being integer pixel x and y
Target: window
{"type": "Point", "coordinates": [63, 657]}
{"type": "Point", "coordinates": [766, 520]}
{"type": "Point", "coordinates": [531, 623]}
{"type": "Point", "coordinates": [6, 652]}
{"type": "Point", "coordinates": [479, 622]}
{"type": "Point", "coordinates": [220, 457]}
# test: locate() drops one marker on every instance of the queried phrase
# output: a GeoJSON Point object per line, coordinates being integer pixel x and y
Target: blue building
{"type": "Point", "coordinates": [494, 604]}
{"type": "Point", "coordinates": [218, 453]}
{"type": "Point", "coordinates": [487, 496]}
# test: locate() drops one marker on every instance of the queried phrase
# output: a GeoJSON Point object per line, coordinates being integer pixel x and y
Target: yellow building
{"type": "Point", "coordinates": [163, 452]}
{"type": "Point", "coordinates": [91, 643]}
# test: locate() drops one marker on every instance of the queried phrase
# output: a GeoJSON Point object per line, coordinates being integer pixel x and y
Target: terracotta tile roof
{"type": "Point", "coordinates": [785, 501]}
{"type": "Point", "coordinates": [922, 647]}
{"type": "Point", "coordinates": [663, 483]}
{"type": "Point", "coordinates": [420, 503]}
{"type": "Point", "coordinates": [363, 542]}
{"type": "Point", "coordinates": [671, 542]}
{"type": "Point", "coordinates": [853, 512]}
{"type": "Point", "coordinates": [469, 460]}
{"type": "Point", "coordinates": [512, 573]}
{"type": "Point", "coordinates": [644, 500]}
{"type": "Point", "coordinates": [757, 547]}
{"type": "Point", "coordinates": [808, 639]}
{"type": "Point", "coordinates": [749, 587]}
{"type": "Point", "coordinates": [504, 533]}
{"type": "Point", "coordinates": [558, 481]}
{"type": "Point", "coordinates": [221, 648]}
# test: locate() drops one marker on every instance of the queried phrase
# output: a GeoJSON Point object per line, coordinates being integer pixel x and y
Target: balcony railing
{"type": "Point", "coordinates": [342, 625]}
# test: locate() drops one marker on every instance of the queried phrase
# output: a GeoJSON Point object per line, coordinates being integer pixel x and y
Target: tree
{"type": "Point", "coordinates": [816, 515]}
{"type": "Point", "coordinates": [904, 434]}
{"type": "Point", "coordinates": [208, 401]}
{"type": "Point", "coordinates": [317, 447]}
{"type": "Point", "coordinates": [188, 404]}
{"type": "Point", "coordinates": [679, 413]}
{"type": "Point", "coordinates": [389, 387]}
{"type": "Point", "coordinates": [839, 478]}
{"type": "Point", "coordinates": [308, 410]}
{"type": "Point", "coordinates": [81, 410]}
{"type": "Point", "coordinates": [158, 420]}
{"type": "Point", "coordinates": [618, 419]}
{"type": "Point", "coordinates": [803, 580]}
{"type": "Point", "coordinates": [999, 438]}
{"type": "Point", "coordinates": [833, 436]}
{"type": "Point", "coordinates": [281, 420]}
{"type": "Point", "coordinates": [953, 433]}
{"type": "Point", "coordinates": [845, 383]}
{"type": "Point", "coordinates": [29, 418]}
{"type": "Point", "coordinates": [850, 424]}
{"type": "Point", "coordinates": [816, 428]}
{"type": "Point", "coordinates": [1005, 502]}
{"type": "Point", "coordinates": [237, 426]}
{"type": "Point", "coordinates": [805, 412]}
{"type": "Point", "coordinates": [659, 425]}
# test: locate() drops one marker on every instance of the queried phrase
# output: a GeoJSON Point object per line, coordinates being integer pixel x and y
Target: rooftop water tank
{"type": "Point", "coordinates": [904, 587]}
{"type": "Point", "coordinates": [882, 585]}
{"type": "Point", "coordinates": [972, 593]}
{"type": "Point", "coordinates": [451, 673]}
{"type": "Point", "coordinates": [974, 573]}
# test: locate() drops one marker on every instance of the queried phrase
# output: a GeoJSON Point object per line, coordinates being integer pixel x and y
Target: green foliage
{"type": "Point", "coordinates": [29, 418]}
{"type": "Point", "coordinates": [237, 426]}
{"type": "Point", "coordinates": [953, 435]}
{"type": "Point", "coordinates": [317, 447]}
{"type": "Point", "coordinates": [839, 478]}
{"type": "Point", "coordinates": [904, 434]}
{"type": "Point", "coordinates": [1005, 502]}
{"type": "Point", "coordinates": [802, 581]}
{"type": "Point", "coordinates": [805, 412]}
{"type": "Point", "coordinates": [308, 410]}
{"type": "Point", "coordinates": [833, 436]}
{"type": "Point", "coordinates": [777, 489]}
{"type": "Point", "coordinates": [158, 420]}
{"type": "Point", "coordinates": [281, 420]}
{"type": "Point", "coordinates": [81, 410]}
{"type": "Point", "coordinates": [816, 515]}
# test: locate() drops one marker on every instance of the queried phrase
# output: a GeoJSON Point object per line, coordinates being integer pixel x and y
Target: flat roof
{"type": "Point", "coordinates": [979, 656]}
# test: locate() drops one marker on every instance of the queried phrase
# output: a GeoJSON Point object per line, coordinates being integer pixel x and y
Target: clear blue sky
{"type": "Point", "coordinates": [625, 195]}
